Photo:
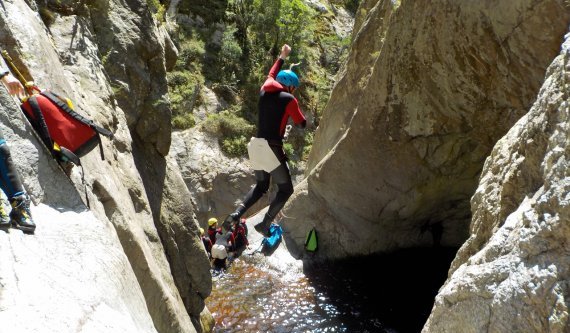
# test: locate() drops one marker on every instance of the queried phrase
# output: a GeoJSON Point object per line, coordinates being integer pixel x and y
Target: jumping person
{"type": "Point", "coordinates": [20, 216]}
{"type": "Point", "coordinates": [276, 105]}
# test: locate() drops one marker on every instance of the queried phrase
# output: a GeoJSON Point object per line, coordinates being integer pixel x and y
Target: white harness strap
{"type": "Point", "coordinates": [261, 156]}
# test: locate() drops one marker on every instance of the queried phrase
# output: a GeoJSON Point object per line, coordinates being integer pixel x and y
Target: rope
{"type": "Point", "coordinates": [28, 85]}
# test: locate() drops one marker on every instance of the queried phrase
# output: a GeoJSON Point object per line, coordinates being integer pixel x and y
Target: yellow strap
{"type": "Point", "coordinates": [29, 85]}
{"type": "Point", "coordinates": [69, 103]}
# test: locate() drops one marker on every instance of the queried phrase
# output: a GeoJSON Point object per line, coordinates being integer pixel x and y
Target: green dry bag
{"type": "Point", "coordinates": [311, 241]}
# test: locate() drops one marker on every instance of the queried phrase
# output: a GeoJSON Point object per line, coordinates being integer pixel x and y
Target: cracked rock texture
{"type": "Point", "coordinates": [513, 273]}
{"type": "Point", "coordinates": [428, 89]}
{"type": "Point", "coordinates": [52, 271]}
{"type": "Point", "coordinates": [136, 257]}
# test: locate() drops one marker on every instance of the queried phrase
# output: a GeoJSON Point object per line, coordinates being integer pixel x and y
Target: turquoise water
{"type": "Point", "coordinates": [390, 293]}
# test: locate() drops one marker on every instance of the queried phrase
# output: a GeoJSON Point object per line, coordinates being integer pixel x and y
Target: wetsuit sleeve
{"type": "Point", "coordinates": [276, 68]}
{"type": "Point", "coordinates": [295, 113]}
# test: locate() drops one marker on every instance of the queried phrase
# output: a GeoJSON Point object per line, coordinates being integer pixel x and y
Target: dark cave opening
{"type": "Point", "coordinates": [391, 292]}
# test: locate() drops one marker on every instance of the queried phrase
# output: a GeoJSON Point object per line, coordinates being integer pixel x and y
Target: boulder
{"type": "Point", "coordinates": [109, 58]}
{"type": "Point", "coordinates": [512, 274]}
{"type": "Point", "coordinates": [427, 91]}
{"type": "Point", "coordinates": [71, 276]}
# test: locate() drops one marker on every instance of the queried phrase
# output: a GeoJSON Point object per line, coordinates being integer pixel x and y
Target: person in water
{"type": "Point", "coordinates": [240, 235]}
{"type": "Point", "coordinates": [223, 247]}
{"type": "Point", "coordinates": [212, 229]}
{"type": "Point", "coordinates": [276, 105]}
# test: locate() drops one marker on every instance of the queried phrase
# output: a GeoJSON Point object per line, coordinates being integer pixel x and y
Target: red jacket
{"type": "Point", "coordinates": [276, 106]}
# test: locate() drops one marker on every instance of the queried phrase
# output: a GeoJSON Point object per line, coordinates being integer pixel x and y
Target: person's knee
{"type": "Point", "coordinates": [286, 189]}
{"type": "Point", "coordinates": [262, 186]}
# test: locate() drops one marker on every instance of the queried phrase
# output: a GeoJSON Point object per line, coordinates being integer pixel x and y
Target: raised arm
{"type": "Point", "coordinates": [285, 50]}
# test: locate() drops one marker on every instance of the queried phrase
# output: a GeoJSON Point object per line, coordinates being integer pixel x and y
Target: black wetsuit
{"type": "Point", "coordinates": [275, 107]}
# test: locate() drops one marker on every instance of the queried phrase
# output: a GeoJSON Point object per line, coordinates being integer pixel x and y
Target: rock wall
{"type": "Point", "coordinates": [45, 275]}
{"type": "Point", "coordinates": [73, 274]}
{"type": "Point", "coordinates": [110, 58]}
{"type": "Point", "coordinates": [427, 91]}
{"type": "Point", "coordinates": [512, 275]}
{"type": "Point", "coordinates": [217, 183]}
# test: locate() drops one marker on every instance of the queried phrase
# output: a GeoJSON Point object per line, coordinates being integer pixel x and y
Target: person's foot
{"type": "Point", "coordinates": [263, 227]}
{"type": "Point", "coordinates": [20, 214]}
{"type": "Point", "coordinates": [4, 218]}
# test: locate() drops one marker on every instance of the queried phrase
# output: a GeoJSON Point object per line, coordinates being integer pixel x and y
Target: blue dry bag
{"type": "Point", "coordinates": [273, 240]}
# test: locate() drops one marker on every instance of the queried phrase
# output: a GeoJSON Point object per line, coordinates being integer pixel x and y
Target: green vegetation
{"type": "Point", "coordinates": [308, 145]}
{"type": "Point", "coordinates": [185, 82]}
{"type": "Point", "coordinates": [211, 11]}
{"type": "Point", "coordinates": [233, 130]}
{"type": "Point", "coordinates": [229, 46]}
{"type": "Point", "coordinates": [157, 8]}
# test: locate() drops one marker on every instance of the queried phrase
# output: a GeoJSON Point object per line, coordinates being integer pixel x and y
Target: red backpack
{"type": "Point", "coordinates": [67, 134]}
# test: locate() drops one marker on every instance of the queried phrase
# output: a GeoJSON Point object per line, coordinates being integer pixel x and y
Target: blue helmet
{"type": "Point", "coordinates": [288, 78]}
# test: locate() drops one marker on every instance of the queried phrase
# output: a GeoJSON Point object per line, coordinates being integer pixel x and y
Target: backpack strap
{"type": "Point", "coordinates": [41, 127]}
{"type": "Point", "coordinates": [100, 143]}
{"type": "Point", "coordinates": [40, 123]}
{"type": "Point", "coordinates": [59, 101]}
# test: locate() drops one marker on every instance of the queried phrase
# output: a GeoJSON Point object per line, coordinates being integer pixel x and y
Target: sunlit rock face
{"type": "Point", "coordinates": [217, 183]}
{"type": "Point", "coordinates": [428, 89]}
{"type": "Point", "coordinates": [512, 274]}
{"type": "Point", "coordinates": [141, 260]}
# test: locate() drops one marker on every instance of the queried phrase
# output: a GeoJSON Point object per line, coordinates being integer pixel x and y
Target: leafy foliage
{"type": "Point", "coordinates": [229, 55]}
{"type": "Point", "coordinates": [185, 83]}
{"type": "Point", "coordinates": [234, 131]}
{"type": "Point", "coordinates": [211, 11]}
{"type": "Point", "coordinates": [158, 8]}
{"type": "Point", "coordinates": [235, 147]}
{"type": "Point", "coordinates": [230, 46]}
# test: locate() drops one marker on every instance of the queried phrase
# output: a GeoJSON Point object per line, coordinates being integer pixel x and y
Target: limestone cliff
{"type": "Point", "coordinates": [137, 256]}
{"type": "Point", "coordinates": [512, 275]}
{"type": "Point", "coordinates": [428, 89]}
